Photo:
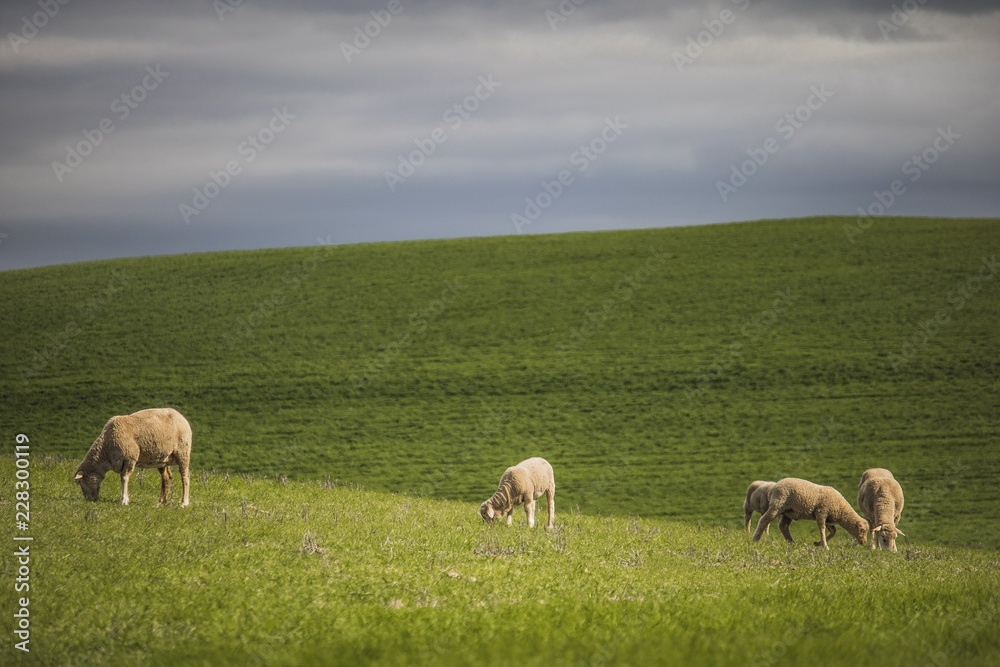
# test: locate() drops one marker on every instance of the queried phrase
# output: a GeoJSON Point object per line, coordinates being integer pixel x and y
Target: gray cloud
{"type": "Point", "coordinates": [324, 174]}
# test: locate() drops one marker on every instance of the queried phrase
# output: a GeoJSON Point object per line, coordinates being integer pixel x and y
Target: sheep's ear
{"type": "Point", "coordinates": [899, 532]}
{"type": "Point", "coordinates": [878, 529]}
{"type": "Point", "coordinates": [78, 477]}
{"type": "Point", "coordinates": [489, 511]}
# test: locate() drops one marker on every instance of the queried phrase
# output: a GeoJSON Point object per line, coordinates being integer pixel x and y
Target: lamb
{"type": "Point", "coordinates": [155, 438]}
{"type": "Point", "coordinates": [880, 499]}
{"type": "Point", "coordinates": [756, 501]}
{"type": "Point", "coordinates": [523, 483]}
{"type": "Point", "coordinates": [792, 499]}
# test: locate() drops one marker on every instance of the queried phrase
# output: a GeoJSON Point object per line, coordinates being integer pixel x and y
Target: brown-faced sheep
{"type": "Point", "coordinates": [880, 499]}
{"type": "Point", "coordinates": [793, 499]}
{"type": "Point", "coordinates": [756, 501]}
{"type": "Point", "coordinates": [523, 483]}
{"type": "Point", "coordinates": [155, 438]}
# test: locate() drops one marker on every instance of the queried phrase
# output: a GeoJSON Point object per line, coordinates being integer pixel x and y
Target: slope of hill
{"type": "Point", "coordinates": [659, 370]}
{"type": "Point", "coordinates": [263, 572]}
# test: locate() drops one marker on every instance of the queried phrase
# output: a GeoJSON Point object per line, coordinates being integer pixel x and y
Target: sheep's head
{"type": "Point", "coordinates": [487, 512]}
{"type": "Point", "coordinates": [860, 531]}
{"type": "Point", "coordinates": [884, 536]}
{"type": "Point", "coordinates": [90, 483]}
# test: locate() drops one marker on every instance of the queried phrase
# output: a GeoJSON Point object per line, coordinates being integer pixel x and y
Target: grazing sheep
{"type": "Point", "coordinates": [793, 499]}
{"type": "Point", "coordinates": [156, 438]}
{"type": "Point", "coordinates": [880, 499]}
{"type": "Point", "coordinates": [756, 501]}
{"type": "Point", "coordinates": [523, 483]}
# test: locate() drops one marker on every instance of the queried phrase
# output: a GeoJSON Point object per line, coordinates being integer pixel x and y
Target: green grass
{"type": "Point", "coordinates": [263, 572]}
{"type": "Point", "coordinates": [660, 371]}
{"type": "Point", "coordinates": [736, 352]}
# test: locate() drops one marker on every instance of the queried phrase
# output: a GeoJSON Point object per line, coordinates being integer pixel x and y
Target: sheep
{"type": "Point", "coordinates": [756, 501]}
{"type": "Point", "coordinates": [880, 499]}
{"type": "Point", "coordinates": [792, 499]}
{"type": "Point", "coordinates": [154, 438]}
{"type": "Point", "coordinates": [523, 483]}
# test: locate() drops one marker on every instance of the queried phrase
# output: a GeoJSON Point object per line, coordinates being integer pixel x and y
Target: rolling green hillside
{"type": "Point", "coordinates": [660, 371]}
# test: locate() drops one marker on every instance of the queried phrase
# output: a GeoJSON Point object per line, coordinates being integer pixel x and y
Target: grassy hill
{"type": "Point", "coordinates": [658, 370]}
{"type": "Point", "coordinates": [258, 571]}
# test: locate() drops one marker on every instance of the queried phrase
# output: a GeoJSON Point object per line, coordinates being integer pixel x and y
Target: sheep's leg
{"type": "Point", "coordinates": [764, 523]}
{"type": "Point", "coordinates": [831, 530]}
{"type": "Point", "coordinates": [529, 509]}
{"type": "Point", "coordinates": [821, 522]}
{"type": "Point", "coordinates": [164, 484]}
{"type": "Point", "coordinates": [510, 516]}
{"type": "Point", "coordinates": [783, 526]}
{"type": "Point", "coordinates": [184, 465]}
{"type": "Point", "coordinates": [127, 469]}
{"type": "Point", "coordinates": [550, 496]}
{"type": "Point", "coordinates": [748, 519]}
{"type": "Point", "coordinates": [184, 468]}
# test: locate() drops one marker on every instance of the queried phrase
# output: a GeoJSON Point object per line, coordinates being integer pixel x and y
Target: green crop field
{"type": "Point", "coordinates": [660, 371]}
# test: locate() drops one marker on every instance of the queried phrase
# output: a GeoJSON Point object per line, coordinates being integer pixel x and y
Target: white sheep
{"type": "Point", "coordinates": [793, 499]}
{"type": "Point", "coordinates": [756, 501]}
{"type": "Point", "coordinates": [880, 499]}
{"type": "Point", "coordinates": [155, 438]}
{"type": "Point", "coordinates": [523, 483]}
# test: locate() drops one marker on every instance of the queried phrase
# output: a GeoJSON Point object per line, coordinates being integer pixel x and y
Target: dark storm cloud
{"type": "Point", "coordinates": [282, 123]}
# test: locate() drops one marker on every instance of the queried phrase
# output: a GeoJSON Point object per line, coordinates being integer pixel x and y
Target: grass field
{"type": "Point", "coordinates": [660, 371]}
{"type": "Point", "coordinates": [260, 572]}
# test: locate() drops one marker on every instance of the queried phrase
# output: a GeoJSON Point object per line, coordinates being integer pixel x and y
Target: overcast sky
{"type": "Point", "coordinates": [135, 128]}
